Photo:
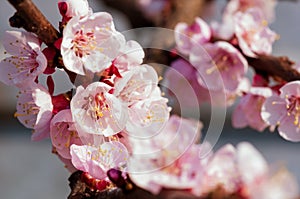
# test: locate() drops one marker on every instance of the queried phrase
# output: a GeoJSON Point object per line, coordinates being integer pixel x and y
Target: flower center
{"type": "Point", "coordinates": [293, 108]}
{"type": "Point", "coordinates": [220, 62]}
{"type": "Point", "coordinates": [84, 43]}
{"type": "Point", "coordinates": [97, 106]}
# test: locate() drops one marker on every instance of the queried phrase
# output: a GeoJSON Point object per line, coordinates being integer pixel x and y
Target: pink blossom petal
{"type": "Point", "coordinates": [273, 109]}
{"type": "Point", "coordinates": [188, 36]}
{"type": "Point", "coordinates": [136, 84]}
{"type": "Point", "coordinates": [291, 88]}
{"type": "Point", "coordinates": [82, 160]}
{"type": "Point", "coordinates": [238, 117]}
{"type": "Point", "coordinates": [16, 43]}
{"type": "Point", "coordinates": [251, 164]}
{"type": "Point", "coordinates": [218, 173]}
{"type": "Point", "coordinates": [289, 130]}
{"type": "Point", "coordinates": [148, 115]}
{"type": "Point", "coordinates": [63, 133]}
{"type": "Point", "coordinates": [131, 55]}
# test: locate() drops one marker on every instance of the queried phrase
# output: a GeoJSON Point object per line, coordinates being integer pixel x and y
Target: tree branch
{"type": "Point", "coordinates": [277, 67]}
{"type": "Point", "coordinates": [29, 17]}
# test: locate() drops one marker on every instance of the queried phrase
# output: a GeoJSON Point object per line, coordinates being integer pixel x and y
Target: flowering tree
{"type": "Point", "coordinates": [115, 131]}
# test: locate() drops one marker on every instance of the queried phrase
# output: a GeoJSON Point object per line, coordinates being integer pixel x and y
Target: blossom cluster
{"type": "Point", "coordinates": [241, 170]}
{"type": "Point", "coordinates": [217, 65]}
{"type": "Point", "coordinates": [115, 124]}
{"type": "Point", "coordinates": [114, 95]}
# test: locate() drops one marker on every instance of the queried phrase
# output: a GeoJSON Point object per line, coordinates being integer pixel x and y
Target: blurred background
{"type": "Point", "coordinates": [28, 169]}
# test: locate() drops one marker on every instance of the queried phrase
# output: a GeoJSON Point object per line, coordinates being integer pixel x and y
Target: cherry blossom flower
{"type": "Point", "coordinates": [63, 133]}
{"type": "Point", "coordinates": [27, 60]}
{"type": "Point", "coordinates": [181, 174]}
{"type": "Point", "coordinates": [223, 30]}
{"type": "Point", "coordinates": [72, 8]}
{"type": "Point", "coordinates": [216, 173]}
{"type": "Point", "coordinates": [34, 110]}
{"type": "Point", "coordinates": [97, 160]}
{"type": "Point", "coordinates": [136, 84]}
{"type": "Point", "coordinates": [267, 8]}
{"type": "Point", "coordinates": [253, 34]}
{"type": "Point", "coordinates": [169, 159]}
{"type": "Point", "coordinates": [163, 148]}
{"type": "Point", "coordinates": [148, 115]}
{"type": "Point", "coordinates": [283, 185]}
{"type": "Point", "coordinates": [130, 56]}
{"type": "Point", "coordinates": [246, 172]}
{"type": "Point", "coordinates": [181, 81]}
{"type": "Point", "coordinates": [184, 87]}
{"type": "Point", "coordinates": [243, 115]}
{"type": "Point", "coordinates": [91, 43]}
{"type": "Point", "coordinates": [188, 36]}
{"type": "Point", "coordinates": [224, 68]}
{"type": "Point", "coordinates": [96, 111]}
{"type": "Point", "coordinates": [257, 178]}
{"type": "Point", "coordinates": [284, 111]}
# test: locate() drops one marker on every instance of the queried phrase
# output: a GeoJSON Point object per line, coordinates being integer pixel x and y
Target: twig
{"type": "Point", "coordinates": [29, 17]}
{"type": "Point", "coordinates": [269, 65]}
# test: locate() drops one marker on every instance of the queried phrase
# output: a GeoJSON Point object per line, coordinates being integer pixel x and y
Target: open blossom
{"type": "Point", "coordinates": [181, 174]}
{"type": "Point", "coordinates": [223, 69]}
{"type": "Point", "coordinates": [246, 172]}
{"type": "Point", "coordinates": [267, 7]}
{"type": "Point", "coordinates": [72, 8]}
{"type": "Point", "coordinates": [169, 159]}
{"type": "Point", "coordinates": [27, 60]}
{"type": "Point", "coordinates": [136, 84]}
{"type": "Point", "coordinates": [96, 111]}
{"type": "Point", "coordinates": [188, 36]}
{"type": "Point", "coordinates": [216, 173]}
{"type": "Point", "coordinates": [284, 111]}
{"type": "Point", "coordinates": [248, 111]}
{"type": "Point", "coordinates": [34, 110]}
{"type": "Point", "coordinates": [130, 56]}
{"type": "Point", "coordinates": [181, 81]}
{"type": "Point", "coordinates": [257, 178]}
{"type": "Point", "coordinates": [63, 133]}
{"type": "Point", "coordinates": [148, 115]}
{"type": "Point", "coordinates": [97, 160]}
{"type": "Point", "coordinates": [253, 34]}
{"type": "Point", "coordinates": [91, 43]}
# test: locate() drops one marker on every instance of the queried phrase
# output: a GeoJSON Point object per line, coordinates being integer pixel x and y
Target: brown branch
{"type": "Point", "coordinates": [29, 17]}
{"type": "Point", "coordinates": [277, 67]}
